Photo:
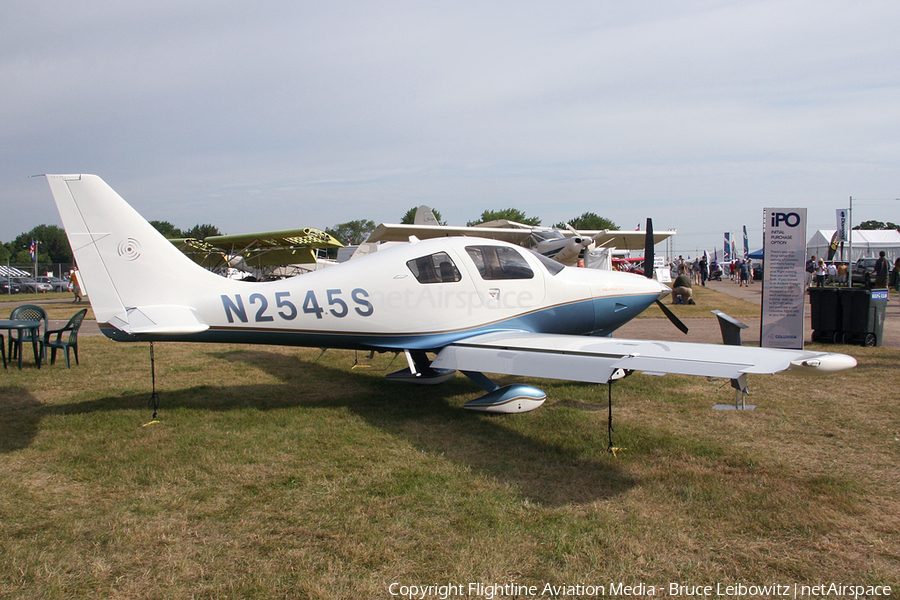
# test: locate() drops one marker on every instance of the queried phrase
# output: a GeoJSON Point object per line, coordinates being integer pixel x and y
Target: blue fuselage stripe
{"type": "Point", "coordinates": [600, 316]}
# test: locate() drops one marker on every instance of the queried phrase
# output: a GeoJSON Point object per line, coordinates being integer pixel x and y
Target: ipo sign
{"type": "Point", "coordinates": [783, 297]}
{"type": "Point", "coordinates": [786, 219]}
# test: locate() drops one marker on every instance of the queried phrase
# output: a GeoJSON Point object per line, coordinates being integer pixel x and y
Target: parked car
{"type": "Point", "coordinates": [59, 285]}
{"type": "Point", "coordinates": [863, 270]}
{"type": "Point", "coordinates": [30, 286]}
{"type": "Point", "coordinates": [8, 287]}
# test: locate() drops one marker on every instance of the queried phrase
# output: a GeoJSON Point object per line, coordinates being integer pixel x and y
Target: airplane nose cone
{"type": "Point", "coordinates": [655, 286]}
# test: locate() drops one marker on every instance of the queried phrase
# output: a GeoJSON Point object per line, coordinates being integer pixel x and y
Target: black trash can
{"type": "Point", "coordinates": [863, 315]}
{"type": "Point", "coordinates": [826, 314]}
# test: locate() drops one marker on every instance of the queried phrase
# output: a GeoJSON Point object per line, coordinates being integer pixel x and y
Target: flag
{"type": "Point", "coordinates": [32, 250]}
{"type": "Point", "coordinates": [746, 244]}
{"type": "Point", "coordinates": [843, 220]}
{"type": "Point", "coordinates": [833, 246]}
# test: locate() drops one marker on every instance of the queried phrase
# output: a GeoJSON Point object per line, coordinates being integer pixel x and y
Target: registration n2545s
{"type": "Point", "coordinates": [265, 308]}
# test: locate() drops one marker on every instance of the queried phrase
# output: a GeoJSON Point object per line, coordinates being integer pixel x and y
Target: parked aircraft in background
{"type": "Point", "coordinates": [563, 245]}
{"type": "Point", "coordinates": [475, 305]}
{"type": "Point", "coordinates": [260, 253]}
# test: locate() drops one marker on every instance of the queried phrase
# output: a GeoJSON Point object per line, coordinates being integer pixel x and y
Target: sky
{"type": "Point", "coordinates": [278, 115]}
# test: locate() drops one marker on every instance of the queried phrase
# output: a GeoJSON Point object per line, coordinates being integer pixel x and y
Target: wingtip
{"type": "Point", "coordinates": [823, 364]}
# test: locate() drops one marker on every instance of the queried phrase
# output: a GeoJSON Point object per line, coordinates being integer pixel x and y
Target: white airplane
{"type": "Point", "coordinates": [479, 305]}
{"type": "Point", "coordinates": [562, 245]}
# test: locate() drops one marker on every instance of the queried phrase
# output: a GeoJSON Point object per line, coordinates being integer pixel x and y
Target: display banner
{"type": "Point", "coordinates": [843, 219]}
{"type": "Point", "coordinates": [727, 256]}
{"type": "Point", "coordinates": [784, 278]}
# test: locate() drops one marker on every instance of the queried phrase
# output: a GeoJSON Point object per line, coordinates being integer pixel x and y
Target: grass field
{"type": "Point", "coordinates": [276, 473]}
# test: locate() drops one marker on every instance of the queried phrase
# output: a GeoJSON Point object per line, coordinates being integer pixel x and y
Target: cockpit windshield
{"type": "Point", "coordinates": [552, 265]}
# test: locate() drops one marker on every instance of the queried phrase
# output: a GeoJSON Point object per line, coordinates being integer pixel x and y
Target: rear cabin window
{"type": "Point", "coordinates": [434, 268]}
{"type": "Point", "coordinates": [499, 262]}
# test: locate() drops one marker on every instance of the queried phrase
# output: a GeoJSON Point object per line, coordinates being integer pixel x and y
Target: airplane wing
{"type": "Point", "coordinates": [397, 232]}
{"type": "Point", "coordinates": [289, 238]}
{"type": "Point", "coordinates": [595, 359]}
{"type": "Point", "coordinates": [515, 233]}
{"type": "Point", "coordinates": [267, 248]}
{"type": "Point", "coordinates": [204, 254]}
{"type": "Point", "coordinates": [626, 240]}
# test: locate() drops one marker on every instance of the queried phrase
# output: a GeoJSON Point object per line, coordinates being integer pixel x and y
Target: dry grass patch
{"type": "Point", "coordinates": [707, 299]}
{"type": "Point", "coordinates": [276, 473]}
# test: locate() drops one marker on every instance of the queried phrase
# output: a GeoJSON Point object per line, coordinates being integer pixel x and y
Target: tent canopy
{"type": "Point", "coordinates": [867, 243]}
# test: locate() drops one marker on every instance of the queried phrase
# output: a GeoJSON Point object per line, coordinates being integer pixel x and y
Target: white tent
{"type": "Point", "coordinates": [13, 272]}
{"type": "Point", "coordinates": [867, 243]}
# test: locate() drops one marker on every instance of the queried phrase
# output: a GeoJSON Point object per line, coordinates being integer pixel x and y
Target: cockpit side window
{"type": "Point", "coordinates": [499, 262]}
{"type": "Point", "coordinates": [434, 268]}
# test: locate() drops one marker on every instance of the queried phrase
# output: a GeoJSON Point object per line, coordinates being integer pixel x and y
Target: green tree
{"type": "Point", "coordinates": [52, 245]}
{"type": "Point", "coordinates": [201, 232]}
{"type": "Point", "coordinates": [167, 229]}
{"type": "Point", "coordinates": [509, 214]}
{"type": "Point", "coordinates": [588, 221]}
{"type": "Point", "coordinates": [410, 217]}
{"type": "Point", "coordinates": [872, 224]}
{"type": "Point", "coordinates": [352, 232]}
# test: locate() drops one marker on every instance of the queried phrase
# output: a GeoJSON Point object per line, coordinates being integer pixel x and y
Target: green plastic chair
{"type": "Point", "coordinates": [26, 312]}
{"type": "Point", "coordinates": [71, 342]}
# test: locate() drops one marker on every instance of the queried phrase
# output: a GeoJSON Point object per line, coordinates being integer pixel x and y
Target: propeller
{"type": "Point", "coordinates": [583, 240]}
{"type": "Point", "coordinates": [648, 272]}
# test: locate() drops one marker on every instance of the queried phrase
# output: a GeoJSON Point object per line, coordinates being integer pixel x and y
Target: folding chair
{"type": "Point", "coordinates": [71, 342]}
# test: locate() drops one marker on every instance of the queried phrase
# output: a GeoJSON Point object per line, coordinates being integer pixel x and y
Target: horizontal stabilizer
{"type": "Point", "coordinates": [170, 320]}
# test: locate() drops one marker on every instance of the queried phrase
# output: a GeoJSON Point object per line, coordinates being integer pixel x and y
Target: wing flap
{"type": "Point", "coordinates": [593, 359]}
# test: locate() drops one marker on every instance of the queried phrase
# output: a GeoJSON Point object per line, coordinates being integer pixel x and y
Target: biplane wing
{"type": "Point", "coordinates": [262, 249]}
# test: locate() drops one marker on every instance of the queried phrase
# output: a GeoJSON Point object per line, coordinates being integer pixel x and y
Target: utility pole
{"type": "Point", "coordinates": [850, 237]}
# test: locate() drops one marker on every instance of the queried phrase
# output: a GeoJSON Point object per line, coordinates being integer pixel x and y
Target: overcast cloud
{"type": "Point", "coordinates": [309, 114]}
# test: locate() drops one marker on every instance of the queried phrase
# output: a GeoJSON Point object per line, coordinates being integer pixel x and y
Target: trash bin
{"type": "Point", "coordinates": [826, 316]}
{"type": "Point", "coordinates": [863, 315]}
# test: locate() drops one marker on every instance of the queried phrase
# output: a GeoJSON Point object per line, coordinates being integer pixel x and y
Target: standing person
{"type": "Point", "coordinates": [810, 270]}
{"type": "Point", "coordinates": [832, 273]}
{"type": "Point", "coordinates": [895, 276]}
{"type": "Point", "coordinates": [843, 270]}
{"type": "Point", "coordinates": [704, 270]}
{"type": "Point", "coordinates": [745, 273]}
{"type": "Point", "coordinates": [820, 273]}
{"type": "Point", "coordinates": [881, 270]}
{"type": "Point", "coordinates": [76, 287]}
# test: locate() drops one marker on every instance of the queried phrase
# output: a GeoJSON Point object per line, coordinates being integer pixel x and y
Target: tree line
{"type": "Point", "coordinates": [53, 247]}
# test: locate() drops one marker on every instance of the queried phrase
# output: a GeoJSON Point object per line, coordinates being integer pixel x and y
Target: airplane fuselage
{"type": "Point", "coordinates": [398, 299]}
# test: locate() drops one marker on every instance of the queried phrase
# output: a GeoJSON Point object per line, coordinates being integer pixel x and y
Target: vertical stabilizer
{"type": "Point", "coordinates": [425, 216]}
{"type": "Point", "coordinates": [124, 262]}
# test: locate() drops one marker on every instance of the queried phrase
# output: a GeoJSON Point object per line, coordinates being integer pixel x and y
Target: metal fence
{"type": "Point", "coordinates": [60, 270]}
